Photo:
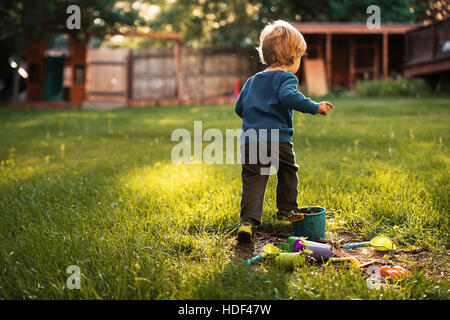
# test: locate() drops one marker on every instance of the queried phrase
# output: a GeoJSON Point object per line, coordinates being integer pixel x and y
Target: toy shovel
{"type": "Point", "coordinates": [352, 260]}
{"type": "Point", "coordinates": [380, 243]}
{"type": "Point", "coordinates": [269, 249]}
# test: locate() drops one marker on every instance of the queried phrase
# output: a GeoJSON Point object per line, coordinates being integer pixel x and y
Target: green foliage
{"type": "Point", "coordinates": [222, 23]}
{"type": "Point", "coordinates": [237, 23]}
{"type": "Point", "coordinates": [398, 87]}
{"type": "Point", "coordinates": [97, 189]}
{"type": "Point", "coordinates": [32, 15]}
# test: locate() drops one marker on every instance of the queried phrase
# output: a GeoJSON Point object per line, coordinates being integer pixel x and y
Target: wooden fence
{"type": "Point", "coordinates": [148, 76]}
{"type": "Point", "coordinates": [107, 75]}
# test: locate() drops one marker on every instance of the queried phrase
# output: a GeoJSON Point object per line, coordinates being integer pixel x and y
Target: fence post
{"type": "Point", "coordinates": [129, 76]}
{"type": "Point", "coordinates": [178, 71]}
{"type": "Point", "coordinates": [385, 55]}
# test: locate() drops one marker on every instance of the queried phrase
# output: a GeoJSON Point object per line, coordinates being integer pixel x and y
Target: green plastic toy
{"type": "Point", "coordinates": [269, 250]}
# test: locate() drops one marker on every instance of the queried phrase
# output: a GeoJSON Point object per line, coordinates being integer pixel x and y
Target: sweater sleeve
{"type": "Point", "coordinates": [291, 98]}
{"type": "Point", "coordinates": [238, 107]}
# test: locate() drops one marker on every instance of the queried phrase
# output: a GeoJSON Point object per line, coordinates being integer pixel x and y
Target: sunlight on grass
{"type": "Point", "coordinates": [166, 121]}
{"type": "Point", "coordinates": [97, 189]}
{"type": "Point", "coordinates": [29, 123]}
{"type": "Point", "coordinates": [187, 193]}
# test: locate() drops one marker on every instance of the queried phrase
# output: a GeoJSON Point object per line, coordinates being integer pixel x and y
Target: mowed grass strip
{"type": "Point", "coordinates": [98, 189]}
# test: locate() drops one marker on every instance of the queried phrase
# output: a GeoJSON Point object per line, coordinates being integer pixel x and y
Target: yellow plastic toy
{"type": "Point", "coordinates": [269, 249]}
{"type": "Point", "coordinates": [352, 260]}
{"type": "Point", "coordinates": [380, 243]}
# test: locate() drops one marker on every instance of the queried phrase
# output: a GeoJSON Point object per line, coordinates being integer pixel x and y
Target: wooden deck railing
{"type": "Point", "coordinates": [428, 49]}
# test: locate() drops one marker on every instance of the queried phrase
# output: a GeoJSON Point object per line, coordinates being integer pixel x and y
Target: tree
{"type": "Point", "coordinates": [432, 10]}
{"type": "Point", "coordinates": [37, 16]}
{"type": "Point", "coordinates": [237, 23]}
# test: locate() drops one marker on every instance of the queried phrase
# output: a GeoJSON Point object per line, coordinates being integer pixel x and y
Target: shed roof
{"type": "Point", "coordinates": [352, 28]}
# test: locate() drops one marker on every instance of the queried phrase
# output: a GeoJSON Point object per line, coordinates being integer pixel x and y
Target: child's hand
{"type": "Point", "coordinates": [324, 107]}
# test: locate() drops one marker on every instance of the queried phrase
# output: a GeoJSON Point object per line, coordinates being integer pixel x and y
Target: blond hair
{"type": "Point", "coordinates": [280, 43]}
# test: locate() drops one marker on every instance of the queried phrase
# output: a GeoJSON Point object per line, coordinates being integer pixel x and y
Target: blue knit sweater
{"type": "Point", "coordinates": [267, 100]}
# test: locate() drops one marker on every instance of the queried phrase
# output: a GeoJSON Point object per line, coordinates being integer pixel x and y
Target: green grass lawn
{"type": "Point", "coordinates": [97, 189]}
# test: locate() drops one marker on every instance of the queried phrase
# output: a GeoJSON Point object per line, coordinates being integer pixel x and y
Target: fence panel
{"type": "Point", "coordinates": [151, 74]}
{"type": "Point", "coordinates": [209, 74]}
{"type": "Point", "coordinates": [107, 74]}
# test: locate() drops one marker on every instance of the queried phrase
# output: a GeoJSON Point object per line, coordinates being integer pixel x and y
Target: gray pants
{"type": "Point", "coordinates": [254, 184]}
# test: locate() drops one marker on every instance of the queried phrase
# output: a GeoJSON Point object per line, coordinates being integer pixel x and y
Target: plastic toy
{"type": "Point", "coordinates": [315, 250]}
{"type": "Point", "coordinates": [285, 260]}
{"type": "Point", "coordinates": [380, 243]}
{"type": "Point", "coordinates": [352, 260]}
{"type": "Point", "coordinates": [268, 249]}
{"type": "Point", "coordinates": [290, 260]}
{"type": "Point", "coordinates": [396, 272]}
{"type": "Point", "coordinates": [309, 222]}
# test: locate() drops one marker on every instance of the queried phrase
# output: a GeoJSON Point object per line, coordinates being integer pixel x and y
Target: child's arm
{"type": "Point", "coordinates": [290, 97]}
{"type": "Point", "coordinates": [239, 108]}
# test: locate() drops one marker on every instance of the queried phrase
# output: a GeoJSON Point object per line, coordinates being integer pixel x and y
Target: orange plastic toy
{"type": "Point", "coordinates": [396, 272]}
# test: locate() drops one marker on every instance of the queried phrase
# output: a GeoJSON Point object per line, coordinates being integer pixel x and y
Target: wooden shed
{"type": "Point", "coordinates": [47, 71]}
{"type": "Point", "coordinates": [340, 54]}
{"type": "Point", "coordinates": [68, 78]}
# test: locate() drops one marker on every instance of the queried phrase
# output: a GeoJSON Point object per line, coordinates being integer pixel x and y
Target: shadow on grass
{"type": "Point", "coordinates": [238, 281]}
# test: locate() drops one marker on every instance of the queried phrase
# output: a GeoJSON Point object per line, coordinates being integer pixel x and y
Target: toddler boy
{"type": "Point", "coordinates": [266, 102]}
